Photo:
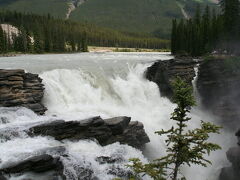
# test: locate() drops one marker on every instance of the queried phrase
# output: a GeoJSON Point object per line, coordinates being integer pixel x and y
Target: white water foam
{"type": "Point", "coordinates": [75, 94]}
{"type": "Point", "coordinates": [78, 94]}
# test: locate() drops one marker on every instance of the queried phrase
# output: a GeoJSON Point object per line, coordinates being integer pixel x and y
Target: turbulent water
{"type": "Point", "coordinates": [83, 85]}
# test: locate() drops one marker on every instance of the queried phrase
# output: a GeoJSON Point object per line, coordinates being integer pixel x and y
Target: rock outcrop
{"type": "Point", "coordinates": [218, 86]}
{"type": "Point", "coordinates": [164, 72]}
{"type": "Point", "coordinates": [51, 164]}
{"type": "Point", "coordinates": [37, 164]}
{"type": "Point", "coordinates": [233, 155]}
{"type": "Point", "coordinates": [106, 131]}
{"type": "Point", "coordinates": [18, 88]}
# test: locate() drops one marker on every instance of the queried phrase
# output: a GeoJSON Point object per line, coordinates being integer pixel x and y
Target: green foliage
{"type": "Point", "coordinates": [56, 8]}
{"type": "Point", "coordinates": [130, 15]}
{"type": "Point", "coordinates": [56, 35]}
{"type": "Point", "coordinates": [138, 16]}
{"type": "Point", "coordinates": [208, 31]}
{"type": "Point", "coordinates": [184, 147]}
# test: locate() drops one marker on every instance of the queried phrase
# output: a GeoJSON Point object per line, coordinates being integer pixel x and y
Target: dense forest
{"type": "Point", "coordinates": [39, 34]}
{"type": "Point", "coordinates": [208, 31]}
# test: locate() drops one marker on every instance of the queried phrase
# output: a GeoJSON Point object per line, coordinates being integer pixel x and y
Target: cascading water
{"type": "Point", "coordinates": [113, 86]}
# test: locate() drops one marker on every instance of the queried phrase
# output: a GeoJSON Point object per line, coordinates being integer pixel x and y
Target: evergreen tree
{"type": "Point", "coordinates": [30, 42]}
{"type": "Point", "coordinates": [231, 14]}
{"type": "Point", "coordinates": [2, 41]}
{"type": "Point", "coordinates": [197, 17]}
{"type": "Point", "coordinates": [206, 28]}
{"type": "Point", "coordinates": [84, 47]}
{"type": "Point", "coordinates": [184, 147]}
{"type": "Point", "coordinates": [38, 43]}
{"type": "Point", "coordinates": [48, 40]}
{"type": "Point", "coordinates": [56, 35]}
{"type": "Point", "coordinates": [174, 38]}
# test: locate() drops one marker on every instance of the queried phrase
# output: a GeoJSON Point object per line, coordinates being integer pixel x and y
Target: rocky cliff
{"type": "Point", "coordinates": [218, 83]}
{"type": "Point", "coordinates": [233, 155]}
{"type": "Point", "coordinates": [18, 88]}
{"type": "Point", "coordinates": [164, 72]}
{"type": "Point", "coordinates": [218, 86]}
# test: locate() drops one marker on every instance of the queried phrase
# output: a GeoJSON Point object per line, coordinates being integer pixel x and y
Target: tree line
{"type": "Point", "coordinates": [208, 31]}
{"type": "Point", "coordinates": [40, 34]}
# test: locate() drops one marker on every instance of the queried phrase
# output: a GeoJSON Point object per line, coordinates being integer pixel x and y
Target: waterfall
{"type": "Point", "coordinates": [108, 90]}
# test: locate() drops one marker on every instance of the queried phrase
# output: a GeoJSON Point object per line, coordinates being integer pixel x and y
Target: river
{"type": "Point", "coordinates": [79, 86]}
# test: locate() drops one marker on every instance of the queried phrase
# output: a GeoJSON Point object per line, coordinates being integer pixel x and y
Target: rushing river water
{"type": "Point", "coordinates": [79, 86]}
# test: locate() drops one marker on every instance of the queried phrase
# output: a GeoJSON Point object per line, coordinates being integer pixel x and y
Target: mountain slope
{"type": "Point", "coordinates": [141, 16]}
{"type": "Point", "coordinates": [56, 8]}
{"type": "Point", "coordinates": [129, 15]}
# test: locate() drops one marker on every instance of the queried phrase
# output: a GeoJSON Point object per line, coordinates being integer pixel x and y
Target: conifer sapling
{"type": "Point", "coordinates": [184, 147]}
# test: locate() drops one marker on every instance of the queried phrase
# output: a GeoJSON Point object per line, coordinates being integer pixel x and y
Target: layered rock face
{"type": "Point", "coordinates": [107, 131]}
{"type": "Point", "coordinates": [18, 88]}
{"type": "Point", "coordinates": [218, 85]}
{"type": "Point", "coordinates": [164, 72]}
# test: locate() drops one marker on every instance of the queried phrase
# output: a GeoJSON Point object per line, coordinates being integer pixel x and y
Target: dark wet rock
{"type": "Point", "coordinates": [228, 173]}
{"type": "Point", "coordinates": [218, 86]}
{"type": "Point", "coordinates": [2, 177]}
{"type": "Point", "coordinates": [18, 88]}
{"type": "Point", "coordinates": [233, 156]}
{"type": "Point", "coordinates": [108, 160]}
{"type": "Point", "coordinates": [120, 172]}
{"type": "Point", "coordinates": [164, 72]}
{"type": "Point", "coordinates": [85, 174]}
{"type": "Point", "coordinates": [118, 124]}
{"type": "Point", "coordinates": [134, 135]}
{"type": "Point", "coordinates": [3, 120]}
{"type": "Point", "coordinates": [109, 131]}
{"type": "Point", "coordinates": [36, 164]}
{"type": "Point", "coordinates": [74, 130]}
{"type": "Point", "coordinates": [238, 136]}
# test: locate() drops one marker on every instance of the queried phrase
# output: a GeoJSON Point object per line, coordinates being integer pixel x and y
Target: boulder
{"type": "Point", "coordinates": [108, 131]}
{"type": "Point", "coordinates": [18, 88]}
{"type": "Point", "coordinates": [74, 130]}
{"type": "Point", "coordinates": [134, 135]}
{"type": "Point", "coordinates": [118, 124]}
{"type": "Point", "coordinates": [36, 164]}
{"type": "Point", "coordinates": [164, 72]}
{"type": "Point", "coordinates": [108, 159]}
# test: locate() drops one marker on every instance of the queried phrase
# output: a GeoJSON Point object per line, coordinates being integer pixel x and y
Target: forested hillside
{"type": "Point", "coordinates": [56, 8]}
{"type": "Point", "coordinates": [151, 17]}
{"type": "Point", "coordinates": [39, 34]}
{"type": "Point", "coordinates": [209, 31]}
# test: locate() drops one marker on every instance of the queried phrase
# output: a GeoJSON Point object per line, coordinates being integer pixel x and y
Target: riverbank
{"type": "Point", "coordinates": [120, 49]}
{"type": "Point", "coordinates": [92, 49]}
